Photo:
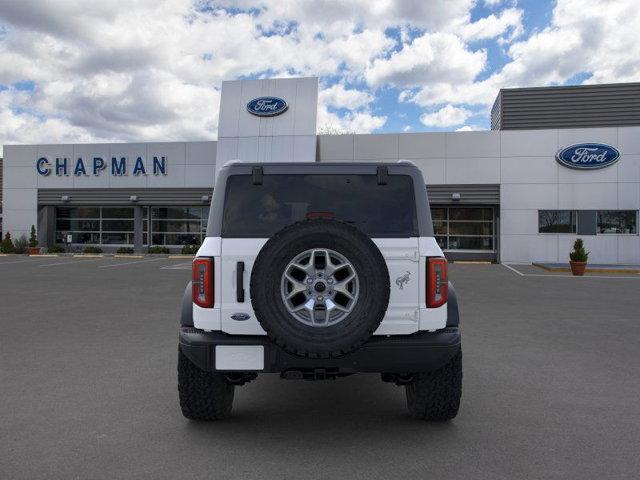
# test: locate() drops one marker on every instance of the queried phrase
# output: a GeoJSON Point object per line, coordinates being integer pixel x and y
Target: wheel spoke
{"type": "Point", "coordinates": [315, 278]}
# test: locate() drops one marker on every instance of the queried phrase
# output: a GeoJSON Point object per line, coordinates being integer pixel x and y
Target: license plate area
{"type": "Point", "coordinates": [239, 357]}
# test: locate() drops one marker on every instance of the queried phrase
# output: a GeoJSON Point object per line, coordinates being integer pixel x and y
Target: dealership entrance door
{"type": "Point", "coordinates": [466, 220]}
{"type": "Point", "coordinates": [466, 232]}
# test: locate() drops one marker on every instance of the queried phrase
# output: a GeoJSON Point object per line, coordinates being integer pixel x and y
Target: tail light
{"type": "Point", "coordinates": [437, 282]}
{"type": "Point", "coordinates": [202, 282]}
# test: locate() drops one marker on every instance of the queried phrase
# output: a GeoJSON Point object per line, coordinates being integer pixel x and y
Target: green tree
{"type": "Point", "coordinates": [7, 244]}
{"type": "Point", "coordinates": [33, 238]}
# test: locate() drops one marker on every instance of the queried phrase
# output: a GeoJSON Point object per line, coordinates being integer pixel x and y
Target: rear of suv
{"type": "Point", "coordinates": [317, 271]}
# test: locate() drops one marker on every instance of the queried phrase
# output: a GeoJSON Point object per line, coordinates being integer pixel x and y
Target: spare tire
{"type": "Point", "coordinates": [320, 288]}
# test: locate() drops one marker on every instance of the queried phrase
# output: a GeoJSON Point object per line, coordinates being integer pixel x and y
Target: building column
{"type": "Point", "coordinates": [138, 227]}
{"type": "Point", "coordinates": [46, 229]}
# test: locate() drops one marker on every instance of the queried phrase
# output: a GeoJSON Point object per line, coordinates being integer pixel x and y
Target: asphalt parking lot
{"type": "Point", "coordinates": [551, 385]}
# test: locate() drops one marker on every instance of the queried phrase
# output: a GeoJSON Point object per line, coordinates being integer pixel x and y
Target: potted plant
{"type": "Point", "coordinates": [33, 242]}
{"type": "Point", "coordinates": [578, 258]}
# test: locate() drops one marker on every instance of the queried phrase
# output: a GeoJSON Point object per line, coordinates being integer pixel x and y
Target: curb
{"type": "Point", "coordinates": [88, 255]}
{"type": "Point", "coordinates": [122, 255]}
{"type": "Point", "coordinates": [589, 270]}
{"type": "Point", "coordinates": [180, 256]}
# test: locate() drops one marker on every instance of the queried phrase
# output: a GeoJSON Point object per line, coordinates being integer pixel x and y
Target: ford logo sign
{"type": "Point", "coordinates": [267, 106]}
{"type": "Point", "coordinates": [240, 317]}
{"type": "Point", "coordinates": [588, 156]}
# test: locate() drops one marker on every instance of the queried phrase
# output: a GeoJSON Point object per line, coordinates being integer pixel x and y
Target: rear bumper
{"type": "Point", "coordinates": [419, 352]}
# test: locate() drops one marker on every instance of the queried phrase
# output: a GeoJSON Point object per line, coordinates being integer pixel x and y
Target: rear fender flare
{"type": "Point", "coordinates": [186, 312]}
{"type": "Point", "coordinates": [453, 314]}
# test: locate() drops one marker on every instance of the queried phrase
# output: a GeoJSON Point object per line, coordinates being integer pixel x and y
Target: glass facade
{"type": "Point", "coordinates": [178, 225]}
{"type": "Point", "coordinates": [95, 225]}
{"type": "Point", "coordinates": [464, 228]}
{"type": "Point", "coordinates": [557, 221]}
{"type": "Point", "coordinates": [618, 221]}
{"type": "Point", "coordinates": [170, 226]}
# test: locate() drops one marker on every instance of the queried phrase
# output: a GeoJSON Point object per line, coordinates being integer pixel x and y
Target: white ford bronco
{"type": "Point", "coordinates": [318, 271]}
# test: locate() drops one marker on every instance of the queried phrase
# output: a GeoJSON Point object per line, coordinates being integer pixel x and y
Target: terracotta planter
{"type": "Point", "coordinates": [578, 268]}
{"type": "Point", "coordinates": [34, 250]}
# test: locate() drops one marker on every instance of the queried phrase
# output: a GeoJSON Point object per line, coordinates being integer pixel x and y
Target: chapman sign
{"type": "Point", "coordinates": [588, 156]}
{"type": "Point", "coordinates": [96, 165]}
{"type": "Point", "coordinates": [267, 106]}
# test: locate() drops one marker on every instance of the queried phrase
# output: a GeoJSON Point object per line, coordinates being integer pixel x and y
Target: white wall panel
{"type": "Point", "coordinates": [529, 143]}
{"type": "Point", "coordinates": [473, 144]}
{"type": "Point", "coordinates": [587, 196]}
{"type": "Point", "coordinates": [529, 170]}
{"type": "Point", "coordinates": [628, 248]}
{"type": "Point", "coordinates": [519, 222]}
{"type": "Point", "coordinates": [629, 140]}
{"type": "Point", "coordinates": [473, 170]}
{"type": "Point", "coordinates": [375, 147]}
{"type": "Point", "coordinates": [570, 136]}
{"type": "Point", "coordinates": [528, 248]}
{"type": "Point", "coordinates": [433, 169]}
{"type": "Point", "coordinates": [421, 145]}
{"type": "Point", "coordinates": [528, 196]}
{"type": "Point", "coordinates": [629, 196]}
{"type": "Point", "coordinates": [332, 147]}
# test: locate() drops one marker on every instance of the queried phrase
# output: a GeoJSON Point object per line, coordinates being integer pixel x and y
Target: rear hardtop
{"type": "Point", "coordinates": [379, 174]}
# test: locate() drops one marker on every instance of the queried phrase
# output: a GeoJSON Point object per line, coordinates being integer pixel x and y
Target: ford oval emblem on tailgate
{"type": "Point", "coordinates": [240, 317]}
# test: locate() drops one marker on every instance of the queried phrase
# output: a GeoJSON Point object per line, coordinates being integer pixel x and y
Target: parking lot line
{"type": "Point", "coordinates": [617, 277]}
{"type": "Point", "coordinates": [20, 261]}
{"type": "Point", "coordinates": [130, 263]}
{"type": "Point", "coordinates": [178, 266]}
{"type": "Point", "coordinates": [70, 263]}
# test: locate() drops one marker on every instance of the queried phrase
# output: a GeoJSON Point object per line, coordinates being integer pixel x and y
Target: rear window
{"type": "Point", "coordinates": [262, 210]}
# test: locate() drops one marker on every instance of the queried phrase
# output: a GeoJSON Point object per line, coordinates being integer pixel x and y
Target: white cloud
{"type": "Point", "coordinates": [447, 116]}
{"type": "Point", "coordinates": [509, 20]}
{"type": "Point", "coordinates": [338, 96]}
{"type": "Point", "coordinates": [407, 128]}
{"type": "Point", "coordinates": [433, 57]}
{"type": "Point", "coordinates": [469, 128]}
{"type": "Point", "coordinates": [151, 69]}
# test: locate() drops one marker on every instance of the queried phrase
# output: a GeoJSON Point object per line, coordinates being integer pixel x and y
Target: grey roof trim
{"type": "Point", "coordinates": [121, 196]}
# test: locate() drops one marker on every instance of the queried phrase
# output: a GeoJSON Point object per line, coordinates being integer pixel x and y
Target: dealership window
{"type": "Point", "coordinates": [463, 228]}
{"type": "Point", "coordinates": [178, 225]}
{"type": "Point", "coordinates": [618, 221]}
{"type": "Point", "coordinates": [95, 225]}
{"type": "Point", "coordinates": [557, 221]}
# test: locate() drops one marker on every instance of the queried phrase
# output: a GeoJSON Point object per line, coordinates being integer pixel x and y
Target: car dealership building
{"type": "Point", "coordinates": [559, 162]}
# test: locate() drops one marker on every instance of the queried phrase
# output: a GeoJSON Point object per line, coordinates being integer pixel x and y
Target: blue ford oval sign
{"type": "Point", "coordinates": [267, 106]}
{"type": "Point", "coordinates": [588, 156]}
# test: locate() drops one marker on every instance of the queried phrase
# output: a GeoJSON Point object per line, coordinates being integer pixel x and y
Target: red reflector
{"type": "Point", "coordinates": [202, 282]}
{"type": "Point", "coordinates": [437, 282]}
{"type": "Point", "coordinates": [314, 215]}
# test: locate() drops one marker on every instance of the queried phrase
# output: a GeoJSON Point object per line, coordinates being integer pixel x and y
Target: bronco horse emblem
{"type": "Point", "coordinates": [403, 279]}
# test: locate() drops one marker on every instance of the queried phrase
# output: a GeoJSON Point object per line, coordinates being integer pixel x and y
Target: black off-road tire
{"type": "Point", "coordinates": [305, 340]}
{"type": "Point", "coordinates": [203, 395]}
{"type": "Point", "coordinates": [435, 396]}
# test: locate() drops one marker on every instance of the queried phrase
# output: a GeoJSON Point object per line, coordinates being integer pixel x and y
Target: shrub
{"type": "Point", "coordinates": [190, 249]}
{"type": "Point", "coordinates": [55, 249]}
{"type": "Point", "coordinates": [579, 254]}
{"type": "Point", "coordinates": [158, 249]}
{"type": "Point", "coordinates": [7, 244]}
{"type": "Point", "coordinates": [21, 245]}
{"type": "Point", "coordinates": [125, 251]}
{"type": "Point", "coordinates": [92, 249]}
{"type": "Point", "coordinates": [33, 238]}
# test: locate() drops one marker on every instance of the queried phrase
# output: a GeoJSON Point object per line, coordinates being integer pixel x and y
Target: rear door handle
{"type": "Point", "coordinates": [240, 282]}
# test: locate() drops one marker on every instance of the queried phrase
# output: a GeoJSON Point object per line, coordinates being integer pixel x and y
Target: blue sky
{"type": "Point", "coordinates": [77, 71]}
